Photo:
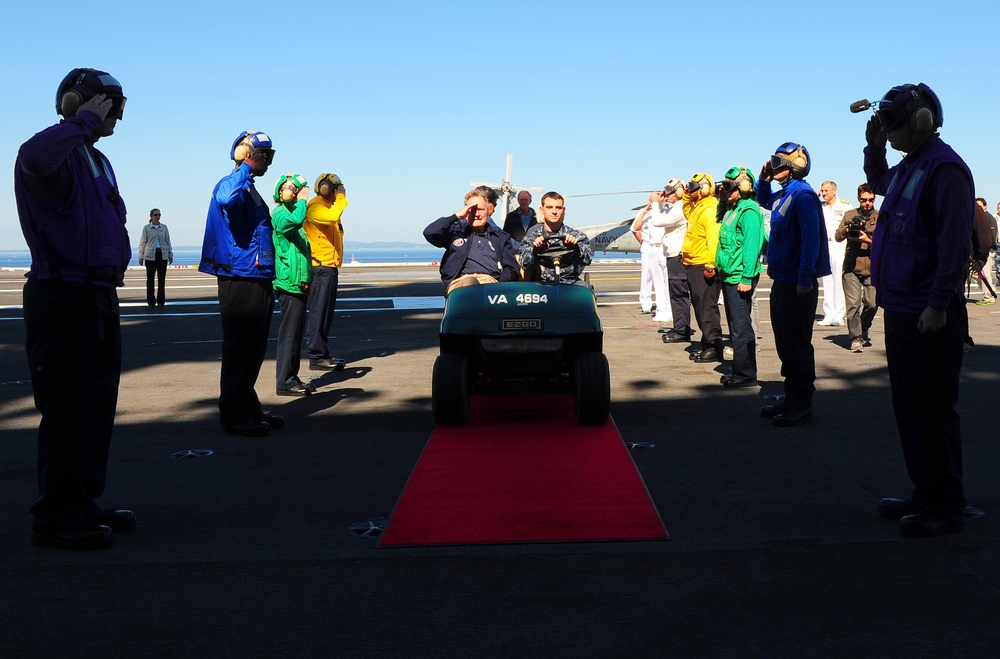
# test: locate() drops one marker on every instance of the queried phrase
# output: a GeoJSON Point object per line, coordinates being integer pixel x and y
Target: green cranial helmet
{"type": "Point", "coordinates": [739, 178]}
{"type": "Point", "coordinates": [288, 187]}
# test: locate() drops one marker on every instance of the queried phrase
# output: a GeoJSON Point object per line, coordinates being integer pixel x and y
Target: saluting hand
{"type": "Point", "coordinates": [874, 134]}
{"type": "Point", "coordinates": [468, 212]}
{"type": "Point", "coordinates": [99, 105]}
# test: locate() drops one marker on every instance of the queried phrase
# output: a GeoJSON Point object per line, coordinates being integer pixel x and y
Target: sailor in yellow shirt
{"type": "Point", "coordinates": [326, 242]}
{"type": "Point", "coordinates": [701, 240]}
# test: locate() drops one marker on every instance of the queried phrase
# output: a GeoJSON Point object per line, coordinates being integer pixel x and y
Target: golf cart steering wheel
{"type": "Point", "coordinates": [558, 254]}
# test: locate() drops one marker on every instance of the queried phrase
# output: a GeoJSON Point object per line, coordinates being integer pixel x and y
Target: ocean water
{"type": "Point", "coordinates": [190, 256]}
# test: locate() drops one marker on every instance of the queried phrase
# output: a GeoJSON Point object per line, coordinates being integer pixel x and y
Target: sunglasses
{"type": "Point", "coordinates": [867, 200]}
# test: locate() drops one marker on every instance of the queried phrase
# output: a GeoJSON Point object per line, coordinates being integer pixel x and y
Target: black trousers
{"type": "Point", "coordinates": [792, 320]}
{"type": "Point", "coordinates": [246, 306]}
{"type": "Point", "coordinates": [680, 294]}
{"type": "Point", "coordinates": [156, 269]}
{"type": "Point", "coordinates": [73, 342]}
{"type": "Point", "coordinates": [322, 302]}
{"type": "Point", "coordinates": [924, 375]}
{"type": "Point", "coordinates": [289, 351]}
{"type": "Point", "coordinates": [705, 299]}
{"type": "Point", "coordinates": [739, 307]}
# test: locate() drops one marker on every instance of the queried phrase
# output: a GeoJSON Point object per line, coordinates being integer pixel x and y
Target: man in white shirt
{"type": "Point", "coordinates": [834, 303]}
{"type": "Point", "coordinates": [674, 225]}
{"type": "Point", "coordinates": [653, 279]}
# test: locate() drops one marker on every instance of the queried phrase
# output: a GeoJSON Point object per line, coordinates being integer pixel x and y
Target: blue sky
{"type": "Point", "coordinates": [409, 102]}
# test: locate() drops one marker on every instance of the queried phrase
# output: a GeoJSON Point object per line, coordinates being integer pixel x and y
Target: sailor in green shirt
{"type": "Point", "coordinates": [293, 274]}
{"type": "Point", "coordinates": [737, 261]}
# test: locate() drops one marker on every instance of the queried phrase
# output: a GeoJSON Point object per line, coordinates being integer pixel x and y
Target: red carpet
{"type": "Point", "coordinates": [522, 470]}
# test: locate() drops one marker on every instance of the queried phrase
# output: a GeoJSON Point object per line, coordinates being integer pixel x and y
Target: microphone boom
{"type": "Point", "coordinates": [860, 106]}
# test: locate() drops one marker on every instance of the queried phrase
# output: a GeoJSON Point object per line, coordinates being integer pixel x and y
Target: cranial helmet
{"type": "Point", "coordinates": [739, 178]}
{"type": "Point", "coordinates": [702, 182]}
{"type": "Point", "coordinates": [674, 185]}
{"type": "Point", "coordinates": [250, 143]}
{"type": "Point", "coordinates": [917, 104]}
{"type": "Point", "coordinates": [327, 183]}
{"type": "Point", "coordinates": [793, 156]}
{"type": "Point", "coordinates": [81, 85]}
{"type": "Point", "coordinates": [288, 187]}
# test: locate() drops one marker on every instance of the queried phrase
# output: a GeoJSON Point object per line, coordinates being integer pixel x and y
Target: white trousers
{"type": "Point", "coordinates": [654, 281]}
{"type": "Point", "coordinates": [834, 302]}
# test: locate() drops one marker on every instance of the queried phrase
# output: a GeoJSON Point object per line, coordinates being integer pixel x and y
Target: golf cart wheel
{"type": "Point", "coordinates": [450, 394]}
{"type": "Point", "coordinates": [592, 388]}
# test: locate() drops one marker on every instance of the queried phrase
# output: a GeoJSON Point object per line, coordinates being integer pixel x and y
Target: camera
{"type": "Point", "coordinates": [855, 227]}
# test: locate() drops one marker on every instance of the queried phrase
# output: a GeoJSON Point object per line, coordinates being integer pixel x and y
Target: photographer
{"type": "Point", "coordinates": [857, 228]}
{"type": "Point", "coordinates": [989, 263]}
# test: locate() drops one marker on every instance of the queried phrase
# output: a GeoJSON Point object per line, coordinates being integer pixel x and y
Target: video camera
{"type": "Point", "coordinates": [856, 226]}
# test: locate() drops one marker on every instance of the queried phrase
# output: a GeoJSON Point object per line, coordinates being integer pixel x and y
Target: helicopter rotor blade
{"type": "Point", "coordinates": [604, 194]}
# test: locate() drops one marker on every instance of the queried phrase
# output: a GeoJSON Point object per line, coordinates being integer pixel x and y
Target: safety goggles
{"type": "Point", "coordinates": [779, 161]}
{"type": "Point", "coordinates": [780, 158]}
{"type": "Point", "coordinates": [729, 186]}
{"type": "Point", "coordinates": [891, 111]}
{"type": "Point", "coordinates": [117, 106]}
{"type": "Point", "coordinates": [695, 186]}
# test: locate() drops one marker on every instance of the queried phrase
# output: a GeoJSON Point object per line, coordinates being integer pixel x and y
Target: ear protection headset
{"type": "Point", "coordinates": [248, 144]}
{"type": "Point", "coordinates": [702, 182]}
{"type": "Point", "coordinates": [80, 85]}
{"type": "Point", "coordinates": [908, 101]}
{"type": "Point", "coordinates": [288, 187]}
{"type": "Point", "coordinates": [327, 183]}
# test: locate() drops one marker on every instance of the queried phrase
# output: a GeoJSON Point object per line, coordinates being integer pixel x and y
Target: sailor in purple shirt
{"type": "Point", "coordinates": [73, 220]}
{"type": "Point", "coordinates": [919, 252]}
